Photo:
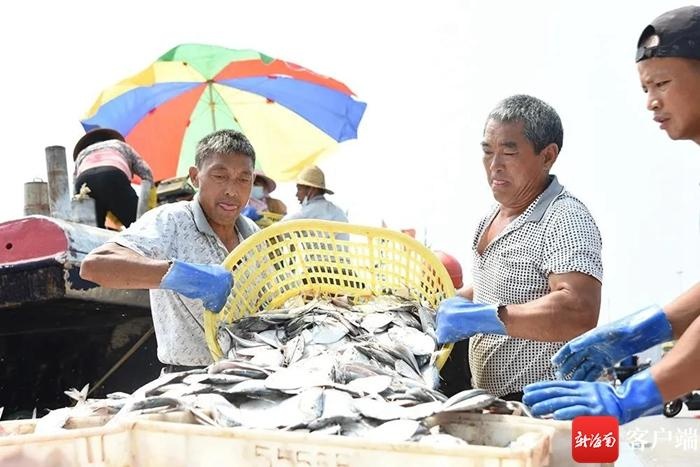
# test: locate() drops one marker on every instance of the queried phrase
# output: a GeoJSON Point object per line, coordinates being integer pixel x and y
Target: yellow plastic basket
{"type": "Point", "coordinates": [323, 258]}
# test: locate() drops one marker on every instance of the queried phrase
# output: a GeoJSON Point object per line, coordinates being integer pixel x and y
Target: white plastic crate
{"type": "Point", "coordinates": [164, 440]}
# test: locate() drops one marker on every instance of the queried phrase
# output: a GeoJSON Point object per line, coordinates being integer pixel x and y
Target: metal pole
{"type": "Point", "coordinates": [121, 361]}
{"type": "Point", "coordinates": [212, 105]}
{"type": "Point", "coordinates": [57, 172]}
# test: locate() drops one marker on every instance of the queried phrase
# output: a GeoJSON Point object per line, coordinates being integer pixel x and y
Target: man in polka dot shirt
{"type": "Point", "coordinates": [537, 269]}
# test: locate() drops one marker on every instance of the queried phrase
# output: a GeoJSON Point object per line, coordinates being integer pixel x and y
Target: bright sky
{"type": "Point", "coordinates": [430, 75]}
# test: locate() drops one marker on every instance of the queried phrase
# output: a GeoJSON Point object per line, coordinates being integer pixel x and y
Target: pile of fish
{"type": "Point", "coordinates": [327, 366]}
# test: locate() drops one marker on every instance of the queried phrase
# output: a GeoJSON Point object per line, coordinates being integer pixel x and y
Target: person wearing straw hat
{"type": "Point", "coordinates": [260, 200]}
{"type": "Point", "coordinates": [311, 191]}
{"type": "Point", "coordinates": [106, 164]}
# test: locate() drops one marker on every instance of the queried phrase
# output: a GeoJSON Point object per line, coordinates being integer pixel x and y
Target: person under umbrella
{"type": "Point", "coordinates": [260, 200]}
{"type": "Point", "coordinates": [311, 193]}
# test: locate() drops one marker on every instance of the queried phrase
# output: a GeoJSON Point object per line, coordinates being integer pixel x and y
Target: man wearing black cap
{"type": "Point", "coordinates": [668, 61]}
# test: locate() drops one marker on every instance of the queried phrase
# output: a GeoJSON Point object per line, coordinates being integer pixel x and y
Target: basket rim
{"type": "Point", "coordinates": [249, 244]}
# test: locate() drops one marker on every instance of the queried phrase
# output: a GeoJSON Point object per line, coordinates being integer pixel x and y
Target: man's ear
{"type": "Point", "coordinates": [194, 176]}
{"type": "Point", "coordinates": [550, 154]}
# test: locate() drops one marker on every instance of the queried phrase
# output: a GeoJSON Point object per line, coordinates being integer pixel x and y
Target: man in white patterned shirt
{"type": "Point", "coordinates": [537, 257]}
{"type": "Point", "coordinates": [164, 250]}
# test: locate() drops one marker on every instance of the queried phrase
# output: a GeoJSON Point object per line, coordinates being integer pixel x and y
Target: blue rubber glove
{"type": "Point", "coordinates": [209, 282]}
{"type": "Point", "coordinates": [637, 397]}
{"type": "Point", "coordinates": [588, 355]}
{"type": "Point", "coordinates": [459, 318]}
{"type": "Point", "coordinates": [251, 213]}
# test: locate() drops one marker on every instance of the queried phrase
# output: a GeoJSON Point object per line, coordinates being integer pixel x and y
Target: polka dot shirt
{"type": "Point", "coordinates": [556, 234]}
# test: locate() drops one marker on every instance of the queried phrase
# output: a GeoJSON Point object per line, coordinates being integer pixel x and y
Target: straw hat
{"type": "Point", "coordinates": [96, 135]}
{"type": "Point", "coordinates": [313, 177]}
{"type": "Point", "coordinates": [269, 183]}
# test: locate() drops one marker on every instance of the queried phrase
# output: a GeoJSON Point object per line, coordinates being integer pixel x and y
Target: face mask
{"type": "Point", "coordinates": [257, 192]}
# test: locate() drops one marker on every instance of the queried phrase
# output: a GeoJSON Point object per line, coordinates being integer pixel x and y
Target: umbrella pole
{"type": "Point", "coordinates": [212, 106]}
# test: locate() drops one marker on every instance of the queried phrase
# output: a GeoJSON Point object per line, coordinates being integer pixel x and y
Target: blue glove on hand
{"type": "Point", "coordinates": [209, 282]}
{"type": "Point", "coordinates": [588, 355]}
{"type": "Point", "coordinates": [251, 213]}
{"type": "Point", "coordinates": [637, 397]}
{"type": "Point", "coordinates": [459, 318]}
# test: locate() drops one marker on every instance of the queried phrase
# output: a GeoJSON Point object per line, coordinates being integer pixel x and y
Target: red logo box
{"type": "Point", "coordinates": [595, 439]}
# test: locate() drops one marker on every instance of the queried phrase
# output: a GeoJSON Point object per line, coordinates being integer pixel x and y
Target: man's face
{"type": "Point", "coordinates": [224, 183]}
{"type": "Point", "coordinates": [513, 169]}
{"type": "Point", "coordinates": [672, 86]}
{"type": "Point", "coordinates": [303, 191]}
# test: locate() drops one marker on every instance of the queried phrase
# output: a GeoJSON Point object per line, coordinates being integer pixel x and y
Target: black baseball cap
{"type": "Point", "coordinates": [675, 33]}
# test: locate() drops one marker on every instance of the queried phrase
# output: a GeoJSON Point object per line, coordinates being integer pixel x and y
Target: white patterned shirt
{"type": "Point", "coordinates": [179, 231]}
{"type": "Point", "coordinates": [556, 234]}
{"type": "Point", "coordinates": [319, 207]}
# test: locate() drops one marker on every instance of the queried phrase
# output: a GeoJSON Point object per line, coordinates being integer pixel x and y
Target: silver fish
{"type": "Point", "coordinates": [370, 384]}
{"type": "Point", "coordinates": [421, 411]}
{"type": "Point", "coordinates": [404, 369]}
{"type": "Point", "coordinates": [394, 431]}
{"type": "Point", "coordinates": [242, 342]}
{"type": "Point", "coordinates": [238, 367]}
{"type": "Point", "coordinates": [379, 409]}
{"type": "Point", "coordinates": [427, 322]}
{"type": "Point", "coordinates": [406, 318]}
{"type": "Point", "coordinates": [413, 339]}
{"type": "Point", "coordinates": [430, 373]}
{"type": "Point", "coordinates": [337, 408]}
{"type": "Point", "coordinates": [268, 358]}
{"type": "Point", "coordinates": [269, 337]}
{"type": "Point", "coordinates": [374, 322]}
{"type": "Point", "coordinates": [328, 333]}
{"type": "Point", "coordinates": [216, 378]}
{"type": "Point", "coordinates": [468, 400]}
{"type": "Point", "coordinates": [251, 387]}
{"type": "Point", "coordinates": [356, 428]}
{"type": "Point", "coordinates": [293, 350]}
{"type": "Point", "coordinates": [297, 378]}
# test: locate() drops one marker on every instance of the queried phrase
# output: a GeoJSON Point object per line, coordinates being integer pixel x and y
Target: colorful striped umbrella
{"type": "Point", "coordinates": [290, 114]}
